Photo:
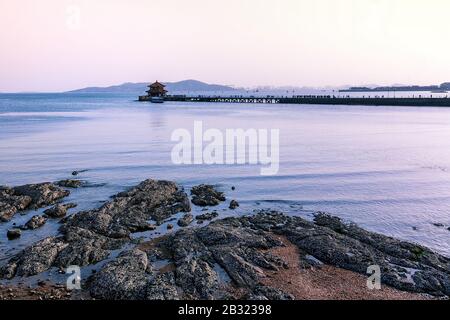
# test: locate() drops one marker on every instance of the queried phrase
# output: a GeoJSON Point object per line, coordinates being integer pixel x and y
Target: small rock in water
{"type": "Point", "coordinates": [169, 226]}
{"type": "Point", "coordinates": [186, 220]}
{"type": "Point", "coordinates": [14, 234]}
{"type": "Point", "coordinates": [206, 195]}
{"type": "Point", "coordinates": [233, 188]}
{"type": "Point", "coordinates": [35, 222]}
{"type": "Point", "coordinates": [30, 196]}
{"type": "Point", "coordinates": [59, 211]}
{"type": "Point", "coordinates": [70, 183]}
{"type": "Point", "coordinates": [207, 216]}
{"type": "Point", "coordinates": [75, 173]}
{"type": "Point", "coordinates": [234, 204]}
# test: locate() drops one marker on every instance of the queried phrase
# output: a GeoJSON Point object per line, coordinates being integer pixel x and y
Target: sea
{"type": "Point", "coordinates": [384, 168]}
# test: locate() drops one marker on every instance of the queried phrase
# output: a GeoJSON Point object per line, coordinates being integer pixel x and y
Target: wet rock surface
{"type": "Point", "coordinates": [89, 236]}
{"type": "Point", "coordinates": [35, 259]}
{"type": "Point", "coordinates": [41, 292]}
{"type": "Point", "coordinates": [75, 173]}
{"type": "Point", "coordinates": [233, 205]}
{"type": "Point", "coordinates": [71, 183]}
{"type": "Point", "coordinates": [206, 195]}
{"type": "Point", "coordinates": [207, 216]}
{"type": "Point", "coordinates": [197, 260]}
{"type": "Point", "coordinates": [13, 234]}
{"type": "Point", "coordinates": [42, 194]}
{"type": "Point", "coordinates": [403, 265]}
{"type": "Point", "coordinates": [34, 223]}
{"type": "Point", "coordinates": [59, 210]}
{"type": "Point", "coordinates": [192, 260]}
{"type": "Point", "coordinates": [124, 278]}
{"type": "Point", "coordinates": [186, 220]}
{"type": "Point", "coordinates": [31, 196]}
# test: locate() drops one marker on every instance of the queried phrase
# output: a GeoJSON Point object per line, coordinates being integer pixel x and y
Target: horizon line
{"type": "Point", "coordinates": [254, 87]}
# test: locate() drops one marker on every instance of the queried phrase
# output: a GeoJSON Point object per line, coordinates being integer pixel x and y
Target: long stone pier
{"type": "Point", "coordinates": [318, 100]}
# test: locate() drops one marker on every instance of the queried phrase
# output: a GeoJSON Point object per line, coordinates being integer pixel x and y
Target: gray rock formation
{"type": "Point", "coordinates": [34, 223]}
{"type": "Point", "coordinates": [70, 183]}
{"type": "Point", "coordinates": [42, 194]}
{"type": "Point", "coordinates": [31, 196]}
{"type": "Point", "coordinates": [234, 204]}
{"type": "Point", "coordinates": [89, 236]}
{"type": "Point", "coordinates": [207, 216]}
{"type": "Point", "coordinates": [186, 220]}
{"type": "Point", "coordinates": [33, 260]}
{"type": "Point", "coordinates": [237, 247]}
{"type": "Point", "coordinates": [124, 278]}
{"type": "Point", "coordinates": [228, 259]}
{"type": "Point", "coordinates": [59, 210]}
{"type": "Point", "coordinates": [194, 256]}
{"type": "Point", "coordinates": [206, 195]}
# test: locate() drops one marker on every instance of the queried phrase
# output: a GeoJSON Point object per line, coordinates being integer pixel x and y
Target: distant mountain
{"type": "Point", "coordinates": [173, 87]}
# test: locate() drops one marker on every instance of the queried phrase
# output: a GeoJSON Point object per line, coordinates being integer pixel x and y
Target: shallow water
{"type": "Point", "coordinates": [385, 168]}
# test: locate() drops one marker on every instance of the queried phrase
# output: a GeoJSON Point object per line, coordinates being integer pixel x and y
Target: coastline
{"type": "Point", "coordinates": [263, 255]}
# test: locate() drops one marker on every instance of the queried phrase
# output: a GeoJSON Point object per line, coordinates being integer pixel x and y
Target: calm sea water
{"type": "Point", "coordinates": [385, 168]}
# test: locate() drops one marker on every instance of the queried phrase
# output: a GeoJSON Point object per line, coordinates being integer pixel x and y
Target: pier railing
{"type": "Point", "coordinates": [318, 100]}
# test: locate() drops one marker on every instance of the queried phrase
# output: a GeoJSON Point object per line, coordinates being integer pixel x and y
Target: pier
{"type": "Point", "coordinates": [314, 100]}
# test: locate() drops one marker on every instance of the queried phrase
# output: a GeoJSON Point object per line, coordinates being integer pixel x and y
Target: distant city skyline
{"type": "Point", "coordinates": [61, 45]}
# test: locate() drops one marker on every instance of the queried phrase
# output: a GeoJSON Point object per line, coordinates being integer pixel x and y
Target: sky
{"type": "Point", "coordinates": [58, 45]}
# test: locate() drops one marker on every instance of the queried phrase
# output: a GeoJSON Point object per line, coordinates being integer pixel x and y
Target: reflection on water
{"type": "Point", "coordinates": [385, 168]}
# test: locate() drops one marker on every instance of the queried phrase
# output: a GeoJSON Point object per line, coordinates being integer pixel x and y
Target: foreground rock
{"type": "Point", "coordinates": [230, 259]}
{"type": "Point", "coordinates": [194, 261]}
{"type": "Point", "coordinates": [31, 196]}
{"type": "Point", "coordinates": [206, 195]}
{"type": "Point", "coordinates": [10, 203]}
{"type": "Point", "coordinates": [125, 287]}
{"type": "Point", "coordinates": [89, 236]}
{"type": "Point", "coordinates": [42, 194]}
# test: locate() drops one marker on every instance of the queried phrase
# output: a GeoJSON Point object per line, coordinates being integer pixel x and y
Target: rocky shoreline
{"type": "Point", "coordinates": [263, 255]}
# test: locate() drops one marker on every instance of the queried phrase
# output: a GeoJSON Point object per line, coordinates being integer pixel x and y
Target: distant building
{"type": "Point", "coordinates": [157, 90]}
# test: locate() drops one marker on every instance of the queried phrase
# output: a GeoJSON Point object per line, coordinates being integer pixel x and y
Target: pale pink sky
{"type": "Point", "coordinates": [239, 42]}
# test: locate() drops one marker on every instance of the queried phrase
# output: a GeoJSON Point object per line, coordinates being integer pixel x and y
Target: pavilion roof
{"type": "Point", "coordinates": [156, 85]}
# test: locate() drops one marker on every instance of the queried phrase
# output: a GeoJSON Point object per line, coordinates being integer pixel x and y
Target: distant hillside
{"type": "Point", "coordinates": [172, 87]}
